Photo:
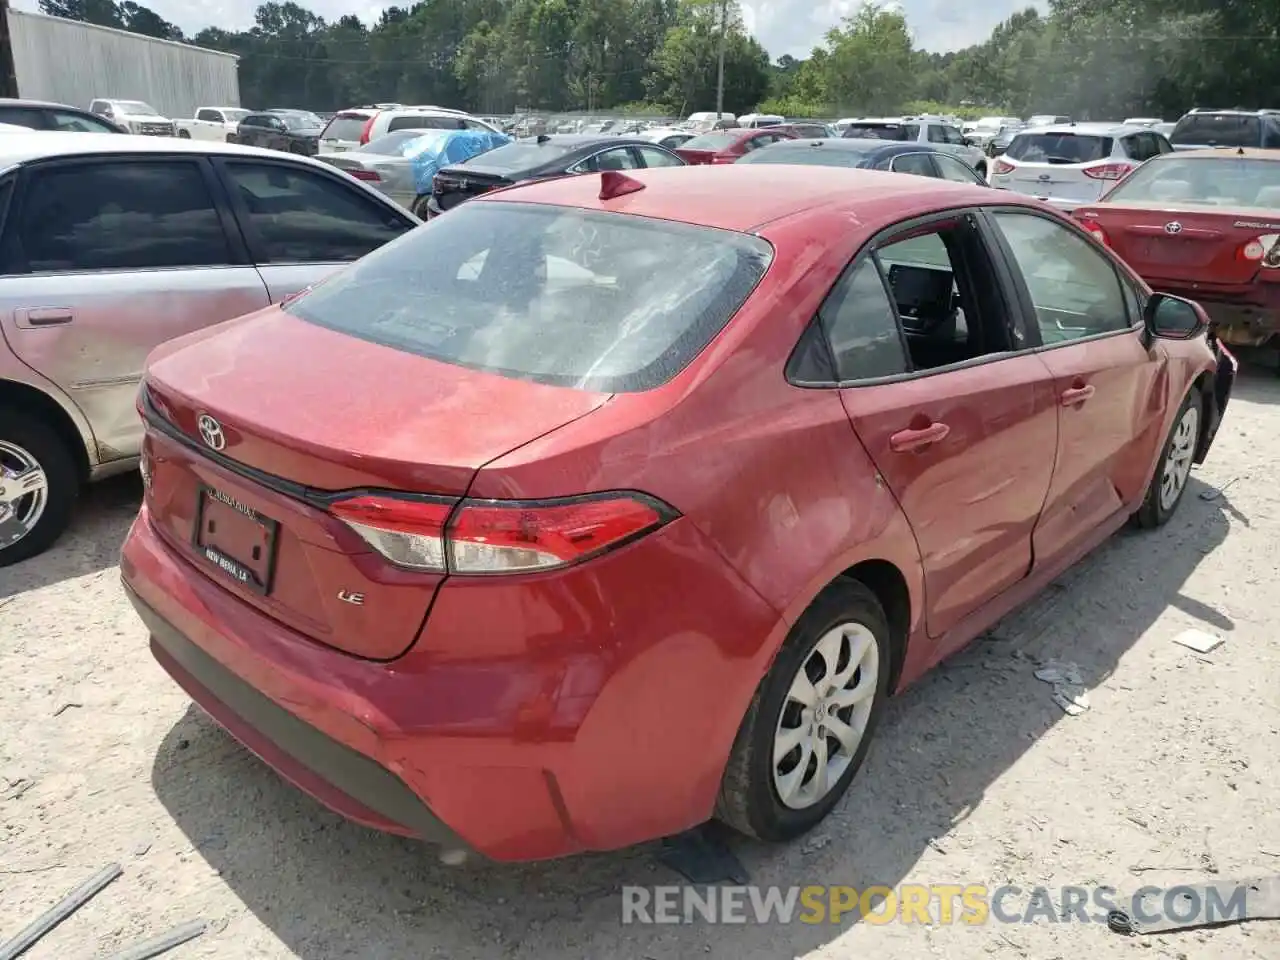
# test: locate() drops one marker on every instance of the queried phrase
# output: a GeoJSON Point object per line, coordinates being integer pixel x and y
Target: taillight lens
{"type": "Point", "coordinates": [1264, 250]}
{"type": "Point", "coordinates": [498, 536]}
{"type": "Point", "coordinates": [1109, 171]}
{"type": "Point", "coordinates": [723, 159]}
{"type": "Point", "coordinates": [368, 130]}
{"type": "Point", "coordinates": [1096, 232]}
{"type": "Point", "coordinates": [367, 175]}
{"type": "Point", "coordinates": [1001, 167]}
{"type": "Point", "coordinates": [408, 531]}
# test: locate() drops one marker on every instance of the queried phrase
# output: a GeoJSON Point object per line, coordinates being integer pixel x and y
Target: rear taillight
{"type": "Point", "coordinates": [1109, 171]}
{"type": "Point", "coordinates": [1264, 250]}
{"type": "Point", "coordinates": [722, 159]}
{"type": "Point", "coordinates": [1097, 233]}
{"type": "Point", "coordinates": [498, 536]}
{"type": "Point", "coordinates": [1002, 167]}
{"type": "Point", "coordinates": [367, 132]}
{"type": "Point", "coordinates": [366, 175]}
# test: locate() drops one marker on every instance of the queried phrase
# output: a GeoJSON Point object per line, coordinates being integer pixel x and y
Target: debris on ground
{"type": "Point", "coordinates": [1068, 687]}
{"type": "Point", "coordinates": [1198, 640]}
{"type": "Point", "coordinates": [64, 908]}
{"type": "Point", "coordinates": [1214, 493]}
{"type": "Point", "coordinates": [1200, 905]}
{"type": "Point", "coordinates": [163, 943]}
{"type": "Point", "coordinates": [702, 856]}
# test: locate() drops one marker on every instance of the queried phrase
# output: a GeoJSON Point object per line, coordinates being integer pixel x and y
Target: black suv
{"type": "Point", "coordinates": [1227, 128]}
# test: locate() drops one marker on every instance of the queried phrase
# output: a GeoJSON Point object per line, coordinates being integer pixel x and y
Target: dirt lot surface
{"type": "Point", "coordinates": [977, 776]}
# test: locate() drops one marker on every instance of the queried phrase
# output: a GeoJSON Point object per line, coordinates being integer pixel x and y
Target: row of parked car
{"type": "Point", "coordinates": [401, 481]}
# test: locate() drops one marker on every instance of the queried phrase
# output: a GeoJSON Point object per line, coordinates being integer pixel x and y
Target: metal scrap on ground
{"type": "Point", "coordinates": [64, 908]}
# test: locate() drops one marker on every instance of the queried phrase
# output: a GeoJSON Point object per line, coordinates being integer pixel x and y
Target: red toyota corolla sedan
{"type": "Point", "coordinates": [607, 505]}
{"type": "Point", "coordinates": [726, 146]}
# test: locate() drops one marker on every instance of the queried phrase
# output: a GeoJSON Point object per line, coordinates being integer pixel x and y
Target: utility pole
{"type": "Point", "coordinates": [724, 23]}
{"type": "Point", "coordinates": [8, 75]}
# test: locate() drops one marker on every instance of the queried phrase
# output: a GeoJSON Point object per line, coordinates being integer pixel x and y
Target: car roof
{"type": "Point", "coordinates": [1099, 129]}
{"type": "Point", "coordinates": [1220, 153]}
{"type": "Point", "coordinates": [745, 197]}
{"type": "Point", "coordinates": [21, 102]}
{"type": "Point", "coordinates": [43, 145]}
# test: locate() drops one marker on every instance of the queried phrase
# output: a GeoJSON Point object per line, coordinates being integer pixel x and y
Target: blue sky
{"type": "Point", "coordinates": [783, 26]}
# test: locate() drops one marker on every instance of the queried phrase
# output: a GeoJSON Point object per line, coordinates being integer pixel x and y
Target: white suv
{"type": "Point", "coordinates": [1074, 163]}
{"type": "Point", "coordinates": [938, 131]}
{"type": "Point", "coordinates": [356, 127]}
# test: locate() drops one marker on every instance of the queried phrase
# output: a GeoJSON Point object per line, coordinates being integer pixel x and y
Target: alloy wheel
{"type": "Point", "coordinates": [1177, 465]}
{"type": "Point", "coordinates": [24, 493]}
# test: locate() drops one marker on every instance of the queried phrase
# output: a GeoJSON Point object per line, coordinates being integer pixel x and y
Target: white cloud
{"type": "Point", "coordinates": [783, 26]}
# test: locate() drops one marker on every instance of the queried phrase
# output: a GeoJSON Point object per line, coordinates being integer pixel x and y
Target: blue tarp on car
{"type": "Point", "coordinates": [440, 148]}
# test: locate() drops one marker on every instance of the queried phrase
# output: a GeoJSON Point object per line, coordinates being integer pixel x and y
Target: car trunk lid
{"type": "Point", "coordinates": [697, 157]}
{"type": "Point", "coordinates": [455, 185]}
{"type": "Point", "coordinates": [1181, 245]}
{"type": "Point", "coordinates": [256, 423]}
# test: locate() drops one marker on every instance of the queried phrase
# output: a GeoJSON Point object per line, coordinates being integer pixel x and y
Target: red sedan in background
{"type": "Point", "coordinates": [1204, 224]}
{"type": "Point", "coordinates": [493, 541]}
{"type": "Point", "coordinates": [726, 146]}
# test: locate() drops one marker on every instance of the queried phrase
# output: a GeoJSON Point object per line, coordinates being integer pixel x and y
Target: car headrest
{"type": "Point", "coordinates": [1268, 197]}
{"type": "Point", "coordinates": [1170, 190]}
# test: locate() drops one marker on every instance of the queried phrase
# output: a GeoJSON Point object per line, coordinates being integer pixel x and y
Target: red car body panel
{"type": "Point", "coordinates": [744, 140]}
{"type": "Point", "coordinates": [542, 714]}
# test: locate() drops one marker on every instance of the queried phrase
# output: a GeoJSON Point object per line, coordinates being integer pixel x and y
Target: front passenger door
{"type": "Point", "coordinates": [1104, 376]}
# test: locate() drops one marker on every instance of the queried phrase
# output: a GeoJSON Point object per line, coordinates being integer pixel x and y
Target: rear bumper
{"type": "Point", "coordinates": [532, 719]}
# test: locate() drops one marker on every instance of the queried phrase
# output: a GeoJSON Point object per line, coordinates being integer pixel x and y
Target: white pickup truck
{"type": "Point", "coordinates": [212, 123]}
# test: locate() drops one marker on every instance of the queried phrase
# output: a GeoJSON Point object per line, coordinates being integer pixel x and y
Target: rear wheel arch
{"type": "Point", "coordinates": [889, 585]}
{"type": "Point", "coordinates": [35, 403]}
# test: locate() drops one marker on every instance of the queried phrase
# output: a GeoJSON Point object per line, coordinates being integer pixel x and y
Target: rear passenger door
{"type": "Point", "coordinates": [302, 223]}
{"type": "Point", "coordinates": [957, 415]}
{"type": "Point", "coordinates": [1086, 316]}
{"type": "Point", "coordinates": [105, 259]}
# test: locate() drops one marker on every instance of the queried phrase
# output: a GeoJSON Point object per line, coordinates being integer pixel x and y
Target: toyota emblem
{"type": "Point", "coordinates": [1173, 226]}
{"type": "Point", "coordinates": [211, 432]}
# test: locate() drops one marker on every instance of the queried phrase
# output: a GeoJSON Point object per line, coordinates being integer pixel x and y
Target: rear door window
{"type": "Point", "coordinates": [22, 117]}
{"type": "Point", "coordinates": [653, 157]}
{"type": "Point", "coordinates": [920, 164]}
{"type": "Point", "coordinates": [861, 326]}
{"type": "Point", "coordinates": [294, 215]}
{"type": "Point", "coordinates": [953, 169]}
{"type": "Point", "coordinates": [67, 122]}
{"type": "Point", "coordinates": [138, 214]}
{"type": "Point", "coordinates": [553, 295]}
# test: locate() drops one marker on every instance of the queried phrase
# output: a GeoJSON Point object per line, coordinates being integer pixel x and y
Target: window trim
{"type": "Point", "coordinates": [1022, 292]}
{"type": "Point", "coordinates": [868, 250]}
{"type": "Point", "coordinates": [237, 253]}
{"type": "Point", "coordinates": [255, 244]}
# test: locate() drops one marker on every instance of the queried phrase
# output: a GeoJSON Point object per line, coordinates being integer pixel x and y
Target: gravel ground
{"type": "Point", "coordinates": [977, 777]}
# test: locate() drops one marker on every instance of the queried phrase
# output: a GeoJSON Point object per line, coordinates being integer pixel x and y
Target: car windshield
{"type": "Point", "coordinates": [136, 108]}
{"type": "Point", "coordinates": [810, 154]}
{"type": "Point", "coordinates": [1211, 181]}
{"type": "Point", "coordinates": [711, 141]}
{"type": "Point", "coordinates": [877, 131]}
{"type": "Point", "coordinates": [1217, 130]}
{"type": "Point", "coordinates": [523, 154]}
{"type": "Point", "coordinates": [555, 295]}
{"type": "Point", "coordinates": [393, 144]}
{"type": "Point", "coordinates": [1059, 148]}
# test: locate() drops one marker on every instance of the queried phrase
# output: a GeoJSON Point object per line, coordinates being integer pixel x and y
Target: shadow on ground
{"type": "Point", "coordinates": [91, 544]}
{"type": "Point", "coordinates": [312, 879]}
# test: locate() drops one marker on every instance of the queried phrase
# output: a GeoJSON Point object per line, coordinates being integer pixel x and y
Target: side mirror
{"type": "Point", "coordinates": [1173, 318]}
{"type": "Point", "coordinates": [967, 141]}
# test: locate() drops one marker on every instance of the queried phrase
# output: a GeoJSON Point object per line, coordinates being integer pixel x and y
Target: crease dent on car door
{"type": "Point", "coordinates": [1109, 384]}
{"type": "Point", "coordinates": [966, 447]}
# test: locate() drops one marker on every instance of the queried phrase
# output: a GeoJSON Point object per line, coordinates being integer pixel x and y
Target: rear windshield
{"type": "Point", "coordinates": [882, 131]}
{"type": "Point", "coordinates": [524, 154]}
{"type": "Point", "coordinates": [1059, 148]}
{"type": "Point", "coordinates": [711, 141]}
{"type": "Point", "coordinates": [808, 154]}
{"type": "Point", "coordinates": [346, 126]}
{"type": "Point", "coordinates": [1218, 130]}
{"type": "Point", "coordinates": [1211, 181]}
{"type": "Point", "coordinates": [426, 123]}
{"type": "Point", "coordinates": [555, 295]}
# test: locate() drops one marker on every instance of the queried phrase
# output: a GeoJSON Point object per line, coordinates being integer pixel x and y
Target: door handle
{"type": "Point", "coordinates": [44, 316]}
{"type": "Point", "coordinates": [1076, 395]}
{"type": "Point", "coordinates": [906, 440]}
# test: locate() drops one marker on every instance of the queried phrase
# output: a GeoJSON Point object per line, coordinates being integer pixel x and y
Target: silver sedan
{"type": "Point", "coordinates": [383, 165]}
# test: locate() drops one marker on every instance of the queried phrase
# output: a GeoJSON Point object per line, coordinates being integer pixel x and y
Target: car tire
{"type": "Point", "coordinates": [419, 208]}
{"type": "Point", "coordinates": [980, 169]}
{"type": "Point", "coordinates": [26, 440]}
{"type": "Point", "coordinates": [761, 793]}
{"type": "Point", "coordinates": [184, 135]}
{"type": "Point", "coordinates": [1174, 466]}
{"type": "Point", "coordinates": [297, 148]}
